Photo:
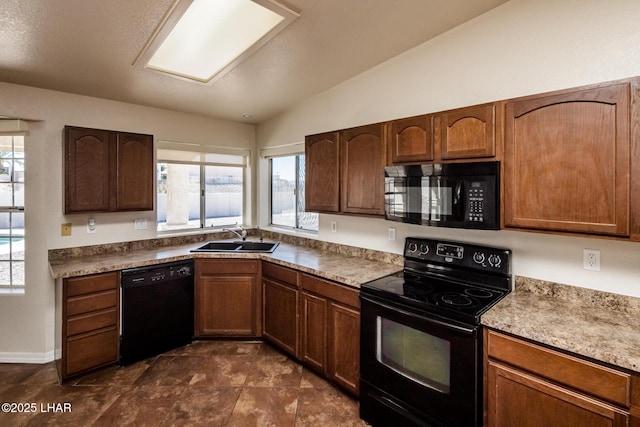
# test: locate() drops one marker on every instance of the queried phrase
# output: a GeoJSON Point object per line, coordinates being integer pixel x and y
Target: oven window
{"type": "Point", "coordinates": [419, 356]}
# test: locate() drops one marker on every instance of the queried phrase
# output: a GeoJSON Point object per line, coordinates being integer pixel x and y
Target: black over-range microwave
{"type": "Point", "coordinates": [461, 195]}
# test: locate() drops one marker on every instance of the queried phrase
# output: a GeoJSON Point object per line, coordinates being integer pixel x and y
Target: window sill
{"type": "Point", "coordinates": [292, 231]}
{"type": "Point", "coordinates": [12, 291]}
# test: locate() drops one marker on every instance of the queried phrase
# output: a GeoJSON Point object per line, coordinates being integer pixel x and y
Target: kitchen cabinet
{"type": "Point", "coordinates": [464, 133]}
{"type": "Point", "coordinates": [567, 157]}
{"type": "Point", "coordinates": [107, 171]}
{"type": "Point", "coordinates": [363, 158]}
{"type": "Point", "coordinates": [227, 299]}
{"type": "Point", "coordinates": [531, 385]}
{"type": "Point", "coordinates": [90, 323]}
{"type": "Point", "coordinates": [330, 328]}
{"type": "Point", "coordinates": [345, 171]}
{"type": "Point", "coordinates": [411, 140]}
{"type": "Point", "coordinates": [467, 133]}
{"type": "Point", "coordinates": [280, 297]}
{"type": "Point", "coordinates": [322, 173]}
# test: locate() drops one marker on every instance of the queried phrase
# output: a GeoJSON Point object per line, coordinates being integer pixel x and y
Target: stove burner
{"type": "Point", "coordinates": [479, 293]}
{"type": "Point", "coordinates": [456, 300]}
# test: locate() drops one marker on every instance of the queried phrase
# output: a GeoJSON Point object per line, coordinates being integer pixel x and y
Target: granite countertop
{"type": "Point", "coordinates": [348, 269]}
{"type": "Point", "coordinates": [593, 324]}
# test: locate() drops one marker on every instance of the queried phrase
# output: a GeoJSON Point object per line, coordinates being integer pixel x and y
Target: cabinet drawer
{"type": "Point", "coordinates": [343, 294]}
{"type": "Point", "coordinates": [91, 350]}
{"type": "Point", "coordinates": [225, 266]}
{"type": "Point", "coordinates": [579, 374]}
{"type": "Point", "coordinates": [90, 284]}
{"type": "Point", "coordinates": [282, 274]}
{"type": "Point", "coordinates": [91, 322]}
{"type": "Point", "coordinates": [92, 302]}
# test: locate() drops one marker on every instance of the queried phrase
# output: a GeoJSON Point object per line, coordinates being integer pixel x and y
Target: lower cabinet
{"type": "Point", "coordinates": [280, 298]}
{"type": "Point", "coordinates": [228, 302]}
{"type": "Point", "coordinates": [314, 320]}
{"type": "Point", "coordinates": [89, 323]}
{"type": "Point", "coordinates": [330, 330]}
{"type": "Point", "coordinates": [531, 385]}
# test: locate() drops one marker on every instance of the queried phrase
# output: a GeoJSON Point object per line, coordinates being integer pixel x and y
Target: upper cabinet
{"type": "Point", "coordinates": [134, 172]}
{"type": "Point", "coordinates": [464, 133]}
{"type": "Point", "coordinates": [467, 133]}
{"type": "Point", "coordinates": [570, 159]}
{"type": "Point", "coordinates": [345, 171]}
{"type": "Point", "coordinates": [107, 171]}
{"type": "Point", "coordinates": [411, 140]}
{"type": "Point", "coordinates": [322, 173]}
{"type": "Point", "coordinates": [566, 165]}
{"type": "Point", "coordinates": [363, 158]}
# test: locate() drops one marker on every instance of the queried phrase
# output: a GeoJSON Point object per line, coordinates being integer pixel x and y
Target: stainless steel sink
{"type": "Point", "coordinates": [238, 246]}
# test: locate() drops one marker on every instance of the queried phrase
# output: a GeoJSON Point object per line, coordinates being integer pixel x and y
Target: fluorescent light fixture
{"type": "Point", "coordinates": [201, 40]}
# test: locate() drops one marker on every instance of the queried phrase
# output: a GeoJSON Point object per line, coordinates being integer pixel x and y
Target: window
{"type": "Point", "coordinates": [287, 194]}
{"type": "Point", "coordinates": [11, 214]}
{"type": "Point", "coordinates": [197, 190]}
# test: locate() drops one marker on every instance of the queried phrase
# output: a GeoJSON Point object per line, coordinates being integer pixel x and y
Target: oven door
{"type": "Point", "coordinates": [420, 365]}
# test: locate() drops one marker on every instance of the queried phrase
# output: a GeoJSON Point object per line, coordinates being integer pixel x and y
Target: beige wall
{"type": "Point", "coordinates": [26, 322]}
{"type": "Point", "coordinates": [522, 47]}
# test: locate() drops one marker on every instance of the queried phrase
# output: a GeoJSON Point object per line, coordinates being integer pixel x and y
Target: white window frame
{"type": "Point", "coordinates": [13, 129]}
{"type": "Point", "coordinates": [198, 155]}
{"type": "Point", "coordinates": [277, 153]}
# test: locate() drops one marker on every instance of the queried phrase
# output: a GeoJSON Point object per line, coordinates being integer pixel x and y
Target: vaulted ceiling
{"type": "Point", "coordinates": [88, 47]}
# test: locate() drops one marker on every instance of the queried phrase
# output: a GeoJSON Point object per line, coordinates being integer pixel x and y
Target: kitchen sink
{"type": "Point", "coordinates": [239, 246]}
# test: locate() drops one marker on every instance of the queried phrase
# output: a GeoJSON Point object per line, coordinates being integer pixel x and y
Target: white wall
{"type": "Point", "coordinates": [26, 322]}
{"type": "Point", "coordinates": [522, 47]}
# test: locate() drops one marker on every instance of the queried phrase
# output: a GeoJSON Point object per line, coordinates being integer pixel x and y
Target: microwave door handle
{"type": "Point", "coordinates": [458, 207]}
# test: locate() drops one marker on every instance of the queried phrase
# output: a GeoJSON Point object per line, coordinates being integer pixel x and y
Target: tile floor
{"type": "Point", "coordinates": [208, 383]}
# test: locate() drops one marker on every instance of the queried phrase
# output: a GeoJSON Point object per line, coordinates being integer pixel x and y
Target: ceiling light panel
{"type": "Point", "coordinates": [209, 37]}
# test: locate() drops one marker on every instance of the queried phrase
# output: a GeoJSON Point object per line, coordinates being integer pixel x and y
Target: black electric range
{"type": "Point", "coordinates": [454, 280]}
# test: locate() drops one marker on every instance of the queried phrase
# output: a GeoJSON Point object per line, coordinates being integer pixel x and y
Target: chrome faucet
{"type": "Point", "coordinates": [242, 234]}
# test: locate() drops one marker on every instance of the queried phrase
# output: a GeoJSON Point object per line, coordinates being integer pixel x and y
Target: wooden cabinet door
{"type": "Point", "coordinates": [135, 172]}
{"type": "Point", "coordinates": [226, 306]}
{"type": "Point", "coordinates": [313, 314]}
{"type": "Point", "coordinates": [280, 311]}
{"type": "Point", "coordinates": [566, 164]}
{"type": "Point", "coordinates": [87, 165]}
{"type": "Point", "coordinates": [467, 133]}
{"type": "Point", "coordinates": [516, 398]}
{"type": "Point", "coordinates": [363, 158]}
{"type": "Point", "coordinates": [411, 140]}
{"type": "Point", "coordinates": [344, 346]}
{"type": "Point", "coordinates": [322, 173]}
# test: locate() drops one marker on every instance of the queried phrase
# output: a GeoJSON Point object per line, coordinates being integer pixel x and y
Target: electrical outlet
{"type": "Point", "coordinates": [65, 229]}
{"type": "Point", "coordinates": [334, 226]}
{"type": "Point", "coordinates": [91, 225]}
{"type": "Point", "coordinates": [591, 259]}
{"type": "Point", "coordinates": [140, 224]}
{"type": "Point", "coordinates": [392, 233]}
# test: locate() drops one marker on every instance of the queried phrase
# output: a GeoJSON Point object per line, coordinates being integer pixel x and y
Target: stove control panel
{"type": "Point", "coordinates": [449, 251]}
{"type": "Point", "coordinates": [483, 258]}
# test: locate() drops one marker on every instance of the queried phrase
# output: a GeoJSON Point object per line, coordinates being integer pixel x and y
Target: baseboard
{"type": "Point", "coordinates": [8, 357]}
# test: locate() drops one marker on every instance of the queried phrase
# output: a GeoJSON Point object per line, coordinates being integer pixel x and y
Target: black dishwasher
{"type": "Point", "coordinates": [157, 310]}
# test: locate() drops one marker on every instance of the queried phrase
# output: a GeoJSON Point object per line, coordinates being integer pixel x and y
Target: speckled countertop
{"type": "Point", "coordinates": [348, 265]}
{"type": "Point", "coordinates": [594, 324]}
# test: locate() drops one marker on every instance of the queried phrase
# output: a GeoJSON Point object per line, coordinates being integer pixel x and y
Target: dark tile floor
{"type": "Point", "coordinates": [208, 383]}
